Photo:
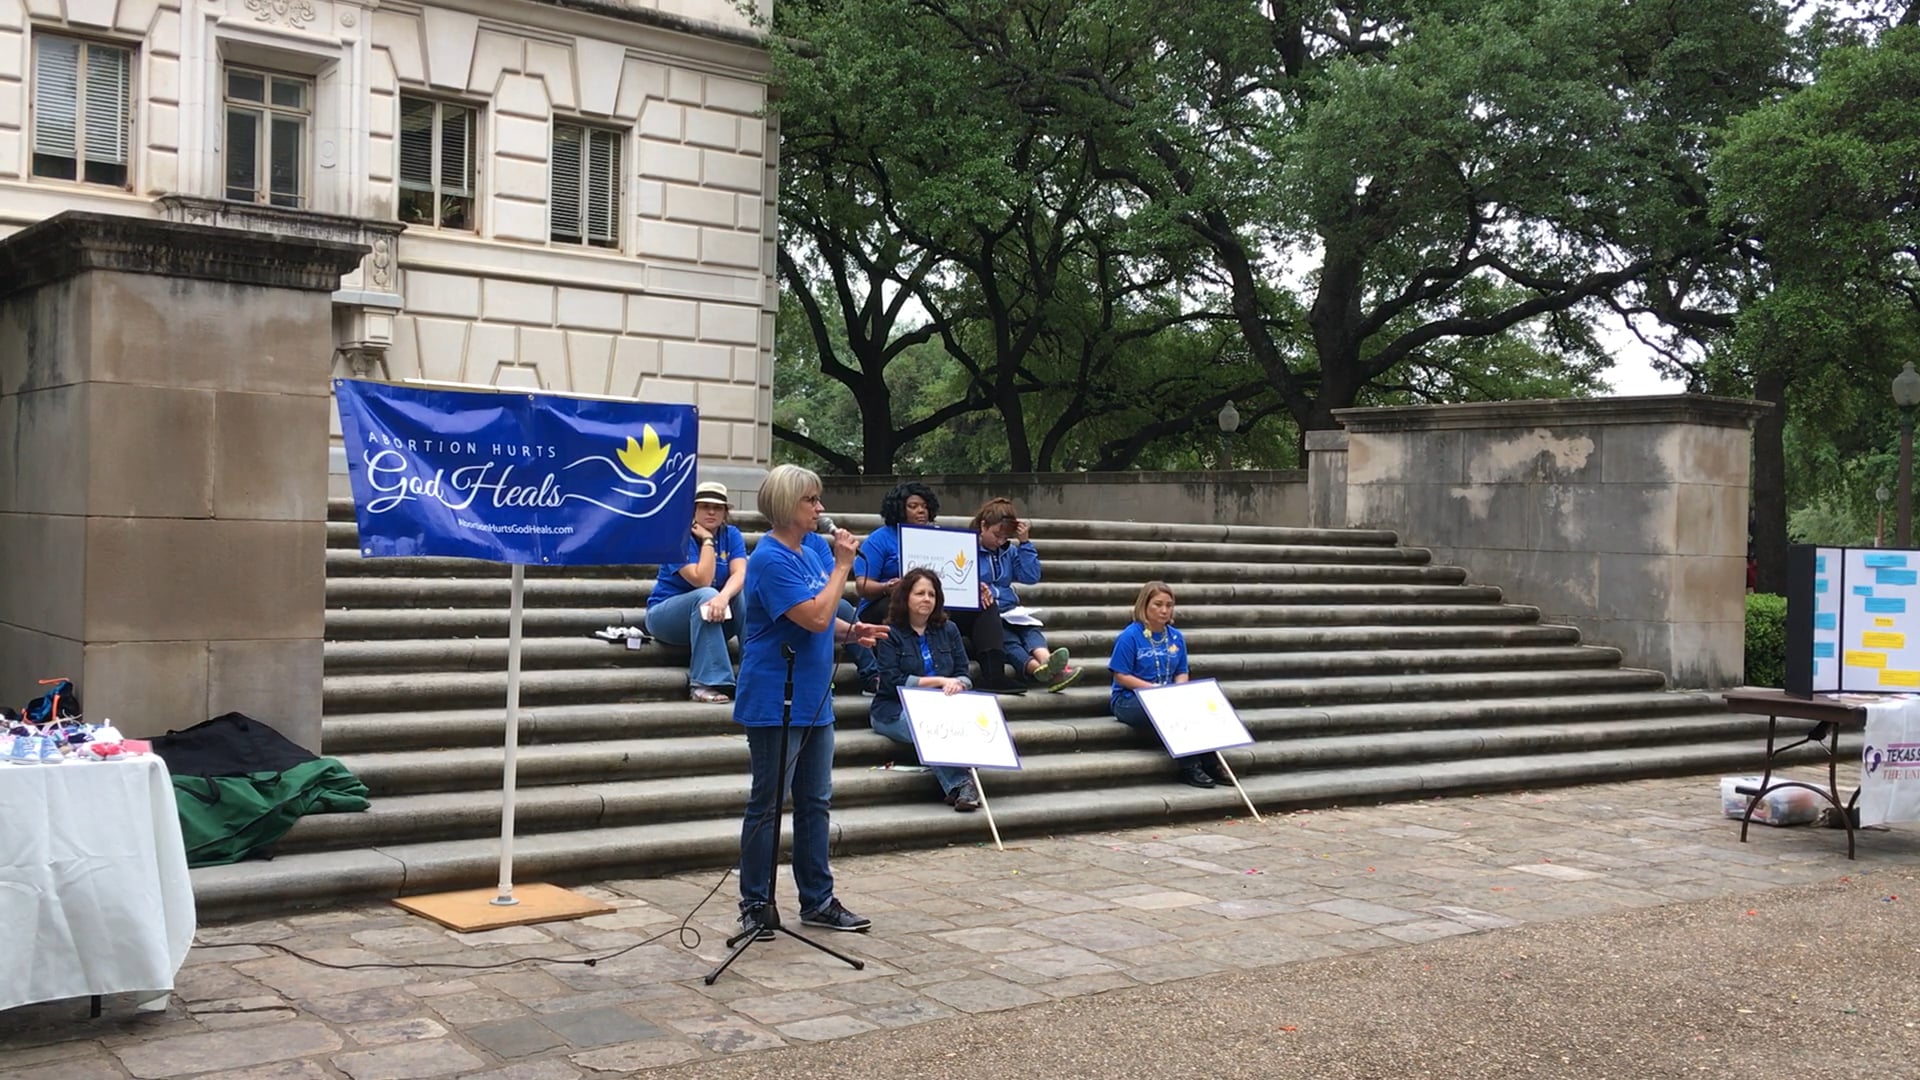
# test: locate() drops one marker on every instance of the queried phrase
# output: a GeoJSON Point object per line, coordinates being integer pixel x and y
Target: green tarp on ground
{"type": "Point", "coordinates": [224, 819]}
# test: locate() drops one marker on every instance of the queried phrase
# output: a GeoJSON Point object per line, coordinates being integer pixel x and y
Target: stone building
{"type": "Point", "coordinates": [575, 195]}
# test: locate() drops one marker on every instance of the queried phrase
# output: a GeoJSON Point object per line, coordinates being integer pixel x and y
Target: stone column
{"type": "Point", "coordinates": [1624, 517]}
{"type": "Point", "coordinates": [163, 409]}
{"type": "Point", "coordinates": [1326, 479]}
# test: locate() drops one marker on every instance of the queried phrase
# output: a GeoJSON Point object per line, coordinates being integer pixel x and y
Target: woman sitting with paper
{"type": "Point", "coordinates": [692, 601]}
{"type": "Point", "coordinates": [922, 650]}
{"type": "Point", "coordinates": [876, 570]}
{"type": "Point", "coordinates": [1008, 556]}
{"type": "Point", "coordinates": [1149, 653]}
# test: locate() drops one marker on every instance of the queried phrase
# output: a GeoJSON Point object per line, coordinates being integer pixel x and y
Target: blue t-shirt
{"type": "Point", "coordinates": [1157, 658]}
{"type": "Point", "coordinates": [879, 560]}
{"type": "Point", "coordinates": [779, 577]}
{"type": "Point", "coordinates": [728, 545]}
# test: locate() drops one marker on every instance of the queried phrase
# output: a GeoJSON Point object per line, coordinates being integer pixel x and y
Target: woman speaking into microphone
{"type": "Point", "coordinates": [796, 579]}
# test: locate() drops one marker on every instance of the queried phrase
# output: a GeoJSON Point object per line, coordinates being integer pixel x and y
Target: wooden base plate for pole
{"type": "Point", "coordinates": [472, 910]}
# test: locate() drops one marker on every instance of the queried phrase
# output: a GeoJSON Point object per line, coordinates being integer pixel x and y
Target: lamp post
{"type": "Point", "coordinates": [1906, 394]}
{"type": "Point", "coordinates": [1881, 495]}
{"type": "Point", "coordinates": [1230, 422]}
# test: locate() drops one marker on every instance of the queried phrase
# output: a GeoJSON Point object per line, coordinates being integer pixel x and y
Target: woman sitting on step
{"type": "Point", "coordinates": [876, 570]}
{"type": "Point", "coordinates": [1001, 634]}
{"type": "Point", "coordinates": [922, 650]}
{"type": "Point", "coordinates": [1150, 652]}
{"type": "Point", "coordinates": [692, 600]}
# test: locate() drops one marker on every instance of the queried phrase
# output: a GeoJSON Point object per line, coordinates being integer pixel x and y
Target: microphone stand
{"type": "Point", "coordinates": [767, 916]}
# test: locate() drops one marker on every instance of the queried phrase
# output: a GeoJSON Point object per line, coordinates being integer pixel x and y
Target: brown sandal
{"type": "Point", "coordinates": [708, 695]}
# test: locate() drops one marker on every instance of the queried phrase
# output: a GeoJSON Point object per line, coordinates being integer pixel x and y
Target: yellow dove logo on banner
{"type": "Point", "coordinates": [644, 458]}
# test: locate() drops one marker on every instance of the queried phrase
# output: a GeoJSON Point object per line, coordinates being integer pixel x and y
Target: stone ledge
{"type": "Point", "coordinates": [76, 241]}
{"type": "Point", "coordinates": [1700, 409]}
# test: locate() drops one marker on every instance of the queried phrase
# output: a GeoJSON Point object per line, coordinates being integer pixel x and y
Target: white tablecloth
{"type": "Point", "coordinates": [1890, 762]}
{"type": "Point", "coordinates": [94, 892]}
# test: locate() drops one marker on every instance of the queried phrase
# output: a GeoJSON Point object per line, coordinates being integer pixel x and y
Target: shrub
{"type": "Point", "coordinates": [1766, 640]}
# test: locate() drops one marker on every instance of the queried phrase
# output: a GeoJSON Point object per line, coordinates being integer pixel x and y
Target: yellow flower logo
{"type": "Point", "coordinates": [644, 458]}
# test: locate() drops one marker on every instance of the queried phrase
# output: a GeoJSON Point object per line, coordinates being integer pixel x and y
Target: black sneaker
{"type": "Point", "coordinates": [750, 920]}
{"type": "Point", "coordinates": [836, 917]}
{"type": "Point", "coordinates": [1192, 774]}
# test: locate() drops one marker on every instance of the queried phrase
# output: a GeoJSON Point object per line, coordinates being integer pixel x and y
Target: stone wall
{"type": "Point", "coordinates": [163, 405]}
{"type": "Point", "coordinates": [1250, 497]}
{"type": "Point", "coordinates": [1625, 517]}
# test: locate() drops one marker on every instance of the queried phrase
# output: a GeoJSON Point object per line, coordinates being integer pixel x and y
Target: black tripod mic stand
{"type": "Point", "coordinates": [767, 916]}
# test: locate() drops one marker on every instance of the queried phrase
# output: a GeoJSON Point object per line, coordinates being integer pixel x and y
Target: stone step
{"type": "Point", "coordinates": [377, 592]}
{"type": "Point", "coordinates": [385, 624]}
{"type": "Point", "coordinates": [344, 558]}
{"type": "Point", "coordinates": [485, 727]}
{"type": "Point", "coordinates": [1395, 667]}
{"type": "Point", "coordinates": [582, 651]}
{"type": "Point", "coordinates": [1059, 753]}
{"type": "Point", "coordinates": [388, 870]}
{"type": "Point", "coordinates": [340, 515]}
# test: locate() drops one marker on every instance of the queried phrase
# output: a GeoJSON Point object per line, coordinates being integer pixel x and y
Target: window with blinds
{"type": "Point", "coordinates": [437, 165]}
{"type": "Point", "coordinates": [81, 124]}
{"type": "Point", "coordinates": [585, 203]}
{"type": "Point", "coordinates": [267, 120]}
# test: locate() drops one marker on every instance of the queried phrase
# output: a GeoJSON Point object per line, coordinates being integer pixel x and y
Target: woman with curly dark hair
{"type": "Point", "coordinates": [877, 568]}
{"type": "Point", "coordinates": [922, 649]}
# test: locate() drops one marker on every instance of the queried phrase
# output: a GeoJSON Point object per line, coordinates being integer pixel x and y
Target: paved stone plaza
{"type": "Point", "coordinates": [958, 931]}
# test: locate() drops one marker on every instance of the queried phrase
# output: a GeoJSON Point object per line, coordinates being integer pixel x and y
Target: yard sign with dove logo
{"type": "Point", "coordinates": [515, 477]}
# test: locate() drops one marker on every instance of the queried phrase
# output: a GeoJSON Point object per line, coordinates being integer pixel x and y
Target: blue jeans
{"type": "Point", "coordinates": [889, 719]}
{"type": "Point", "coordinates": [1130, 712]}
{"type": "Point", "coordinates": [676, 621]}
{"type": "Point", "coordinates": [810, 781]}
{"type": "Point", "coordinates": [861, 657]}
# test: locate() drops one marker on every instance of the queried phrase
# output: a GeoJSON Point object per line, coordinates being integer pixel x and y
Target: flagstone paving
{"type": "Point", "coordinates": [958, 931]}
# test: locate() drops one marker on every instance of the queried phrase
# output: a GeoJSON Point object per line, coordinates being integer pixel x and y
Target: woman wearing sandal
{"type": "Point", "coordinates": [1149, 653]}
{"type": "Point", "coordinates": [692, 599]}
{"type": "Point", "coordinates": [922, 650]}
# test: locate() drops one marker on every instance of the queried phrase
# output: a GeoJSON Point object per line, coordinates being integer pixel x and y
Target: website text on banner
{"type": "Point", "coordinates": [531, 479]}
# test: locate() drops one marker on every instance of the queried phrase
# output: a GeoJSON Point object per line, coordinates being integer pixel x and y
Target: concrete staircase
{"type": "Point", "coordinates": [1364, 672]}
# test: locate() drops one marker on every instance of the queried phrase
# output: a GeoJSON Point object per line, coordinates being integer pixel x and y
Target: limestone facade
{"type": "Point", "coordinates": [574, 197]}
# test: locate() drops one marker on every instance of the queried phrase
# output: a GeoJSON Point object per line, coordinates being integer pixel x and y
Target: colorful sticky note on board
{"type": "Point", "coordinates": [1826, 620]}
{"type": "Point", "coordinates": [1880, 639]}
{"type": "Point", "coordinates": [1863, 590]}
{"type": "Point", "coordinates": [1819, 585]}
{"type": "Point", "coordinates": [1860, 658]}
{"type": "Point", "coordinates": [1892, 677]}
{"type": "Point", "coordinates": [1885, 605]}
{"type": "Point", "coordinates": [1823, 650]}
{"type": "Point", "coordinates": [1819, 564]}
{"type": "Point", "coordinates": [1896, 577]}
{"type": "Point", "coordinates": [1874, 560]}
{"type": "Point", "coordinates": [1883, 622]}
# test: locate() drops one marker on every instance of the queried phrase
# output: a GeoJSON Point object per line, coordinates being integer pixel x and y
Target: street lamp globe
{"type": "Point", "coordinates": [1230, 416]}
{"type": "Point", "coordinates": [1906, 387]}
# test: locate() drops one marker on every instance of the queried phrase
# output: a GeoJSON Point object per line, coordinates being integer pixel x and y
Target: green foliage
{"type": "Point", "coordinates": [1766, 640]}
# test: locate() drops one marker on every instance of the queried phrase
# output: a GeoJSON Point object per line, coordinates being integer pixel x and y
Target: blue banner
{"type": "Point", "coordinates": [516, 477]}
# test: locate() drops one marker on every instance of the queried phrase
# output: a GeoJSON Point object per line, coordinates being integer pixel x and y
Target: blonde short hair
{"type": "Point", "coordinates": [1147, 592]}
{"type": "Point", "coordinates": [782, 490]}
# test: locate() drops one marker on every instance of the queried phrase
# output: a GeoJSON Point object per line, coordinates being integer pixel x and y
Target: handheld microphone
{"type": "Point", "coordinates": [823, 525]}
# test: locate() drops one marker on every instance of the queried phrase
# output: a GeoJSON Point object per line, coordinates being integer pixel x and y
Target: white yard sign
{"type": "Point", "coordinates": [952, 554]}
{"type": "Point", "coordinates": [964, 730]}
{"type": "Point", "coordinates": [1194, 717]}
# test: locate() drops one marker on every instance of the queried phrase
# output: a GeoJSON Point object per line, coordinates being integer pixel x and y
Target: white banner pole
{"type": "Point", "coordinates": [1222, 759]}
{"type": "Point", "coordinates": [982, 792]}
{"type": "Point", "coordinates": [510, 768]}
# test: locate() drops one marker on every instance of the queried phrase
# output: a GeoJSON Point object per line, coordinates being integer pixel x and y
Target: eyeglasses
{"type": "Point", "coordinates": [814, 499]}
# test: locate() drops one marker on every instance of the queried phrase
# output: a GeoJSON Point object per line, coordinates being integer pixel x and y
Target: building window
{"type": "Point", "coordinates": [266, 144]}
{"type": "Point", "coordinates": [585, 208]}
{"type": "Point", "coordinates": [436, 163]}
{"type": "Point", "coordinates": [80, 114]}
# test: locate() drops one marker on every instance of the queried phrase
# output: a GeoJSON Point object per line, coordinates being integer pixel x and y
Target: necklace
{"type": "Point", "coordinates": [1161, 649]}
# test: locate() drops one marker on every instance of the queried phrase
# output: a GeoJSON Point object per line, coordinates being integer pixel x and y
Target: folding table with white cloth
{"type": "Point", "coordinates": [94, 891]}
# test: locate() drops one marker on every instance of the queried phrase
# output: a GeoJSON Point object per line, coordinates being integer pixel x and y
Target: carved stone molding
{"type": "Point", "coordinates": [377, 272]}
{"type": "Point", "coordinates": [293, 13]}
